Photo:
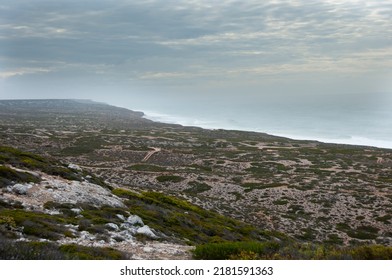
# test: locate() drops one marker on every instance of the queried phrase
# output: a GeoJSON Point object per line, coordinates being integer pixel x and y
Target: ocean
{"type": "Point", "coordinates": [330, 120]}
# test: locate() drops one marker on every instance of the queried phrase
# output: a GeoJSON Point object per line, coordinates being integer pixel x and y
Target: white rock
{"type": "Point", "coordinates": [128, 228]}
{"type": "Point", "coordinates": [148, 249]}
{"type": "Point", "coordinates": [57, 184]}
{"type": "Point", "coordinates": [112, 226]}
{"type": "Point", "coordinates": [65, 191]}
{"type": "Point", "coordinates": [121, 217]}
{"type": "Point", "coordinates": [127, 234]}
{"type": "Point", "coordinates": [134, 220]}
{"type": "Point", "coordinates": [74, 167]}
{"type": "Point", "coordinates": [145, 230]}
{"type": "Point", "coordinates": [77, 211]}
{"type": "Point", "coordinates": [123, 235]}
{"type": "Point", "coordinates": [20, 188]}
{"type": "Point", "coordinates": [52, 211]}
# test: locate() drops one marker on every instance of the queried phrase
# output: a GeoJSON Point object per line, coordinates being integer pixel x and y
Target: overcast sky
{"type": "Point", "coordinates": [124, 48]}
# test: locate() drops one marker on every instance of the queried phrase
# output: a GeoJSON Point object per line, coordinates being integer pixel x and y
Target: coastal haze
{"type": "Point", "coordinates": [307, 70]}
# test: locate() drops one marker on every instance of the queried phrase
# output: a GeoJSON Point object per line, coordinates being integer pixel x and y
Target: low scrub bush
{"type": "Point", "coordinates": [23, 250]}
{"type": "Point", "coordinates": [183, 221]}
{"type": "Point", "coordinates": [9, 176]}
{"type": "Point", "coordinates": [169, 178]}
{"type": "Point", "coordinates": [290, 250]}
{"type": "Point", "coordinates": [233, 250]}
{"type": "Point", "coordinates": [147, 167]}
{"type": "Point", "coordinates": [197, 187]}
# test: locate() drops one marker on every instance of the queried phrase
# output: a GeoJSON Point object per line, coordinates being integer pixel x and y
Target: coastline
{"type": "Point", "coordinates": [231, 124]}
{"type": "Point", "coordinates": [209, 124]}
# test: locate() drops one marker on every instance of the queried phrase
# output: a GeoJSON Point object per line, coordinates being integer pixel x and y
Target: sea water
{"type": "Point", "coordinates": [346, 121]}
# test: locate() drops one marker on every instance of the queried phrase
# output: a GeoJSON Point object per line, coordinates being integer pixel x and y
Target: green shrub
{"type": "Point", "coordinates": [183, 221]}
{"type": "Point", "coordinates": [371, 252]}
{"type": "Point", "coordinates": [7, 221]}
{"type": "Point", "coordinates": [259, 186]}
{"type": "Point", "coordinates": [197, 187]}
{"type": "Point", "coordinates": [12, 250]}
{"type": "Point", "coordinates": [289, 250]}
{"type": "Point", "coordinates": [92, 253]}
{"type": "Point", "coordinates": [8, 176]}
{"type": "Point", "coordinates": [231, 250]}
{"type": "Point", "coordinates": [385, 219]}
{"type": "Point", "coordinates": [361, 232]}
{"type": "Point", "coordinates": [147, 167]}
{"type": "Point", "coordinates": [280, 202]}
{"type": "Point", "coordinates": [126, 193]}
{"type": "Point", "coordinates": [22, 250]}
{"type": "Point", "coordinates": [31, 161]}
{"type": "Point", "coordinates": [39, 225]}
{"type": "Point", "coordinates": [84, 145]}
{"type": "Point", "coordinates": [169, 178]}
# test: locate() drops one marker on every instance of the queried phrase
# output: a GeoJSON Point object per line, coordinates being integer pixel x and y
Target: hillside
{"type": "Point", "coordinates": [46, 201]}
{"type": "Point", "coordinates": [188, 185]}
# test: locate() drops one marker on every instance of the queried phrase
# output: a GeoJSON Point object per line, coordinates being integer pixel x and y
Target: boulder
{"type": "Point", "coordinates": [74, 167]}
{"type": "Point", "coordinates": [135, 220]}
{"type": "Point", "coordinates": [112, 226]}
{"type": "Point", "coordinates": [19, 188]}
{"type": "Point", "coordinates": [145, 230]}
{"type": "Point", "coordinates": [77, 211]}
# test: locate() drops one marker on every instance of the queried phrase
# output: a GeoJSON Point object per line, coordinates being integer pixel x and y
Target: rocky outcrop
{"type": "Point", "coordinates": [125, 232]}
{"type": "Point", "coordinates": [60, 190]}
{"type": "Point", "coordinates": [20, 188]}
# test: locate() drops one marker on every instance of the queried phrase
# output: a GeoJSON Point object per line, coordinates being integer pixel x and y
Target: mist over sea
{"type": "Point", "coordinates": [344, 121]}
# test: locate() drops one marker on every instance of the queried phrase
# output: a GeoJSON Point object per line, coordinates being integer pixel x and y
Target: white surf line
{"type": "Point", "coordinates": [150, 153]}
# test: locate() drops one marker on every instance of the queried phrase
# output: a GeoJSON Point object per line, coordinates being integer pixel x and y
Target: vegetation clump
{"type": "Point", "coordinates": [9, 176]}
{"type": "Point", "coordinates": [36, 224]}
{"type": "Point", "coordinates": [259, 186]}
{"type": "Point", "coordinates": [147, 167]}
{"type": "Point", "coordinates": [78, 252]}
{"type": "Point", "coordinates": [234, 250]}
{"type": "Point", "coordinates": [23, 250]}
{"type": "Point", "coordinates": [84, 145]}
{"type": "Point", "coordinates": [289, 250]}
{"type": "Point", "coordinates": [197, 187]}
{"type": "Point", "coordinates": [21, 159]}
{"type": "Point", "coordinates": [30, 161]}
{"type": "Point", "coordinates": [361, 232]}
{"type": "Point", "coordinates": [181, 220]}
{"type": "Point", "coordinates": [169, 178]}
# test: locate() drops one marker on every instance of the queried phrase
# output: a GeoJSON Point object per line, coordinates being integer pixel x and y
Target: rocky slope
{"type": "Point", "coordinates": [57, 209]}
{"type": "Point", "coordinates": [55, 203]}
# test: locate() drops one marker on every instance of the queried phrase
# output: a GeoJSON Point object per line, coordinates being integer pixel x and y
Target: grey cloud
{"type": "Point", "coordinates": [196, 43]}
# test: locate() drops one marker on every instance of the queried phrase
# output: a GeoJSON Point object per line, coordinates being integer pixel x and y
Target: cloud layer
{"type": "Point", "coordinates": [193, 46]}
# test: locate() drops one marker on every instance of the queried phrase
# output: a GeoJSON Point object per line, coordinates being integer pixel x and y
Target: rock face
{"type": "Point", "coordinates": [123, 233]}
{"type": "Point", "coordinates": [60, 190]}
